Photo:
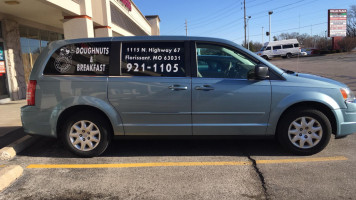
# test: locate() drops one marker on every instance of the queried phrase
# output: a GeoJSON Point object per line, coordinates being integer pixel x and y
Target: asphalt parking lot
{"type": "Point", "coordinates": [196, 169]}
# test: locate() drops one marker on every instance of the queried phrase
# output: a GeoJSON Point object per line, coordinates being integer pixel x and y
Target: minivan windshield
{"type": "Point", "coordinates": [263, 48]}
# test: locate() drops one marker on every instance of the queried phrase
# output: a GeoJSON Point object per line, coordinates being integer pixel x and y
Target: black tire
{"type": "Point", "coordinates": [289, 139]}
{"type": "Point", "coordinates": [100, 131]}
{"type": "Point", "coordinates": [265, 57]}
{"type": "Point", "coordinates": [288, 55]}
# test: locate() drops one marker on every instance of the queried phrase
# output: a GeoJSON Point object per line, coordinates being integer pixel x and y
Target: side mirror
{"type": "Point", "coordinates": [261, 72]}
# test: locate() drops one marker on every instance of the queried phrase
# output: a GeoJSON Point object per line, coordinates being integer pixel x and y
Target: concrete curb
{"type": "Point", "coordinates": [5, 101]}
{"type": "Point", "coordinates": [10, 151]}
{"type": "Point", "coordinates": [8, 175]}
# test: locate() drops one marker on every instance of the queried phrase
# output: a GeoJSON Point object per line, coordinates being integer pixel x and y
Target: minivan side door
{"type": "Point", "coordinates": [152, 89]}
{"type": "Point", "coordinates": [226, 99]}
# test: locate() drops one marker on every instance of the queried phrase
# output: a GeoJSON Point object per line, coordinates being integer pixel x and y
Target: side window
{"type": "Point", "coordinates": [214, 61]}
{"type": "Point", "coordinates": [296, 45]}
{"type": "Point", "coordinates": [268, 48]}
{"type": "Point", "coordinates": [287, 46]}
{"type": "Point", "coordinates": [276, 47]}
{"type": "Point", "coordinates": [153, 59]}
{"type": "Point", "coordinates": [80, 59]}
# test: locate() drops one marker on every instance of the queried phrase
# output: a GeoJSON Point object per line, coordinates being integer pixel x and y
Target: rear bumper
{"type": "Point", "coordinates": [36, 122]}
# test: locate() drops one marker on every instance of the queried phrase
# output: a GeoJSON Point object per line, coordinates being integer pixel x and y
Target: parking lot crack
{"type": "Point", "coordinates": [260, 175]}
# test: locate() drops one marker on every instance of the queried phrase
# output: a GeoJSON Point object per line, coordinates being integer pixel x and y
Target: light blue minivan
{"type": "Point", "coordinates": [86, 91]}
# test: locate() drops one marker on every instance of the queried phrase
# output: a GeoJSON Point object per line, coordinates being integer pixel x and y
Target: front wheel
{"type": "Point", "coordinates": [265, 57]}
{"type": "Point", "coordinates": [304, 131]}
{"type": "Point", "coordinates": [86, 134]}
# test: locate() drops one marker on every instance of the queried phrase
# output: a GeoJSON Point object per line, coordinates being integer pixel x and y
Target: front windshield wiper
{"type": "Point", "coordinates": [288, 71]}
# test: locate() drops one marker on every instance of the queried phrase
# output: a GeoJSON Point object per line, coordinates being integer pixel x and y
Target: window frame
{"type": "Point", "coordinates": [290, 46]}
{"type": "Point", "coordinates": [52, 52]}
{"type": "Point", "coordinates": [194, 60]}
{"type": "Point", "coordinates": [277, 46]}
{"type": "Point", "coordinates": [115, 60]}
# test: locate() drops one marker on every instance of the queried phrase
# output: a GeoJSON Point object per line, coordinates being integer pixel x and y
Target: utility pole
{"type": "Point", "coordinates": [245, 20]}
{"type": "Point", "coordinates": [186, 28]}
{"type": "Point", "coordinates": [262, 35]}
{"type": "Point", "coordinates": [248, 33]}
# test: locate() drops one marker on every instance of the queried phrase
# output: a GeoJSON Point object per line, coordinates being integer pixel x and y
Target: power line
{"type": "Point", "coordinates": [256, 5]}
{"type": "Point", "coordinates": [217, 28]}
{"type": "Point", "coordinates": [207, 22]}
{"type": "Point", "coordinates": [285, 30]}
{"type": "Point", "coordinates": [274, 9]}
{"type": "Point", "coordinates": [203, 18]}
{"type": "Point", "coordinates": [216, 14]}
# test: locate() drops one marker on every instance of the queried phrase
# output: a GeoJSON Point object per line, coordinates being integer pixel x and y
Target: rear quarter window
{"type": "Point", "coordinates": [80, 59]}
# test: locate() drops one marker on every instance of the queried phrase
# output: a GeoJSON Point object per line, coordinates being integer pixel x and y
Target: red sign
{"type": "Point", "coordinates": [127, 4]}
{"type": "Point", "coordinates": [2, 67]}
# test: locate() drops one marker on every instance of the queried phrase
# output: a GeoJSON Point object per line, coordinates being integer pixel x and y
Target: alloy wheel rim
{"type": "Point", "coordinates": [305, 132]}
{"type": "Point", "coordinates": [84, 135]}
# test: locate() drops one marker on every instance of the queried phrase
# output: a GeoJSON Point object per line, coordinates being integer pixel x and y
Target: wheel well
{"type": "Point", "coordinates": [315, 105]}
{"type": "Point", "coordinates": [75, 109]}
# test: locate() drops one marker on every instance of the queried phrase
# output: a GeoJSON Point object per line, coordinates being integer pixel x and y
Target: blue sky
{"type": "Point", "coordinates": [224, 19]}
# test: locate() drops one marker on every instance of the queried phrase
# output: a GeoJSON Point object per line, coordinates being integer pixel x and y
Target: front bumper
{"type": "Point", "coordinates": [347, 120]}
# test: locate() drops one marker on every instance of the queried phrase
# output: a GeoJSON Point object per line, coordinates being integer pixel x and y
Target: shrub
{"type": "Point", "coordinates": [347, 43]}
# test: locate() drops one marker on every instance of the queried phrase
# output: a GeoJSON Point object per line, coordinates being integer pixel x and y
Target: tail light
{"type": "Point", "coordinates": [31, 91]}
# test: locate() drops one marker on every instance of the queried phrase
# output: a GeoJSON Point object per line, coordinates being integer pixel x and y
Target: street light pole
{"type": "Point", "coordinates": [248, 33]}
{"type": "Point", "coordinates": [270, 13]}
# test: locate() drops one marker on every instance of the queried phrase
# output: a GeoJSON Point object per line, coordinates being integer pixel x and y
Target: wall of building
{"type": "Point", "coordinates": [70, 18]}
{"type": "Point", "coordinates": [15, 70]}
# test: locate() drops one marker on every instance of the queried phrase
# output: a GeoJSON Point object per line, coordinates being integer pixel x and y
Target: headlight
{"type": "Point", "coordinates": [347, 94]}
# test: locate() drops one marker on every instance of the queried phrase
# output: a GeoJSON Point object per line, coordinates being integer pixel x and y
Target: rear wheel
{"type": "Point", "coordinates": [288, 55]}
{"type": "Point", "coordinates": [304, 131]}
{"type": "Point", "coordinates": [86, 134]}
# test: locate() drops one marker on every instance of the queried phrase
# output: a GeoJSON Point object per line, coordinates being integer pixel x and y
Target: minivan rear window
{"type": "Point", "coordinates": [153, 59]}
{"type": "Point", "coordinates": [296, 45]}
{"type": "Point", "coordinates": [80, 59]}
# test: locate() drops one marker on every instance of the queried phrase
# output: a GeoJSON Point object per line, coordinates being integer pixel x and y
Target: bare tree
{"type": "Point", "coordinates": [351, 21]}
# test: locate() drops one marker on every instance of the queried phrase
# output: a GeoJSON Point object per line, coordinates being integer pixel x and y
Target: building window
{"type": "Point", "coordinates": [33, 41]}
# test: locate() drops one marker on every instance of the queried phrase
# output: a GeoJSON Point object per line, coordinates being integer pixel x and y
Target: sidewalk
{"type": "Point", "coordinates": [10, 122]}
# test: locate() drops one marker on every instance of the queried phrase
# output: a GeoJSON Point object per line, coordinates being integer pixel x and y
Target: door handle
{"type": "Point", "coordinates": [204, 87]}
{"type": "Point", "coordinates": [177, 87]}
